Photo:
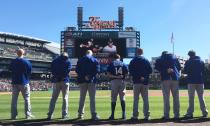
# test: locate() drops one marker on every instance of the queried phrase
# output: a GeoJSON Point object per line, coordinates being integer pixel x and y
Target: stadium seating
{"type": "Point", "coordinates": [9, 50]}
{"type": "Point", "coordinates": [36, 85]}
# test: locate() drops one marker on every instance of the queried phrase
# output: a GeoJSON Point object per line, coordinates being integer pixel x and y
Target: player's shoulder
{"type": "Point", "coordinates": [24, 60]}
{"type": "Point", "coordinates": [118, 63]}
{"type": "Point", "coordinates": [68, 61]}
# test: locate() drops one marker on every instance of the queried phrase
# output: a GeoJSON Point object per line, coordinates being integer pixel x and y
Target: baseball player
{"type": "Point", "coordinates": [169, 68]}
{"type": "Point", "coordinates": [140, 69]}
{"type": "Point", "coordinates": [117, 71]}
{"type": "Point", "coordinates": [87, 68]}
{"type": "Point", "coordinates": [60, 68]}
{"type": "Point", "coordinates": [21, 71]}
{"type": "Point", "coordinates": [194, 68]}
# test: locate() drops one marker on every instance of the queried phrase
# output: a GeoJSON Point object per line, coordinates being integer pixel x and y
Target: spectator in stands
{"type": "Point", "coordinates": [61, 67]}
{"type": "Point", "coordinates": [21, 71]}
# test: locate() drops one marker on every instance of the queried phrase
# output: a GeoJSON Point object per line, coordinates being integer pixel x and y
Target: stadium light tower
{"type": "Point", "coordinates": [121, 16]}
{"type": "Point", "coordinates": [121, 3]}
{"type": "Point", "coordinates": [80, 3]}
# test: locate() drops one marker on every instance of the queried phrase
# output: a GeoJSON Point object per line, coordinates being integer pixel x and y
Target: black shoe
{"type": "Point", "coordinates": [146, 118]}
{"type": "Point", "coordinates": [176, 118]}
{"type": "Point", "coordinates": [205, 116]}
{"type": "Point", "coordinates": [188, 116]}
{"type": "Point", "coordinates": [165, 118]}
{"type": "Point", "coordinates": [95, 118]}
{"type": "Point", "coordinates": [134, 118]}
{"type": "Point", "coordinates": [80, 117]}
{"type": "Point", "coordinates": [14, 118]}
{"type": "Point", "coordinates": [111, 117]}
{"type": "Point", "coordinates": [65, 117]}
{"type": "Point", "coordinates": [30, 117]}
{"type": "Point", "coordinates": [49, 117]}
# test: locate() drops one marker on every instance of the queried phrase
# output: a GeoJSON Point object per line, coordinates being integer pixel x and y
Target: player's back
{"type": "Point", "coordinates": [117, 67]}
{"type": "Point", "coordinates": [87, 66]}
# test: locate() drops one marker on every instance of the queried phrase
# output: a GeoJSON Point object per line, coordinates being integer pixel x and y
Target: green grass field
{"type": "Point", "coordinates": [40, 103]}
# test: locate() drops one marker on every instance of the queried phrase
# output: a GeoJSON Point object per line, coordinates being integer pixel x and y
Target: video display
{"type": "Point", "coordinates": [102, 48]}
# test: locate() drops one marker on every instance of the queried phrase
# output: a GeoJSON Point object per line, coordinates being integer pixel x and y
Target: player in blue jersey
{"type": "Point", "coordinates": [21, 72]}
{"type": "Point", "coordinates": [194, 68]}
{"type": "Point", "coordinates": [117, 71]}
{"type": "Point", "coordinates": [60, 68]}
{"type": "Point", "coordinates": [169, 67]}
{"type": "Point", "coordinates": [87, 68]}
{"type": "Point", "coordinates": [140, 69]}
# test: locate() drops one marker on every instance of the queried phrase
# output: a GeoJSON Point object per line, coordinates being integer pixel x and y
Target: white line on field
{"type": "Point", "coordinates": [61, 97]}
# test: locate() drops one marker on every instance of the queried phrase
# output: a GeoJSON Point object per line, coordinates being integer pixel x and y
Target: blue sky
{"type": "Point", "coordinates": [189, 20]}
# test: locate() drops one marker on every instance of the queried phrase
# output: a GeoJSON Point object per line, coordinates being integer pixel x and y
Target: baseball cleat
{"type": "Point", "coordinates": [49, 117]}
{"type": "Point", "coordinates": [134, 118]}
{"type": "Point", "coordinates": [165, 118]}
{"type": "Point", "coordinates": [80, 117]}
{"type": "Point", "coordinates": [30, 117]}
{"type": "Point", "coordinates": [65, 117]}
{"type": "Point", "coordinates": [14, 118]}
{"type": "Point", "coordinates": [95, 118]}
{"type": "Point", "coordinates": [146, 118]}
{"type": "Point", "coordinates": [205, 116]}
{"type": "Point", "coordinates": [188, 116]}
{"type": "Point", "coordinates": [111, 117]}
{"type": "Point", "coordinates": [123, 117]}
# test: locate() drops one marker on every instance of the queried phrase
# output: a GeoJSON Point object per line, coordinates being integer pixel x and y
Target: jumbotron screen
{"type": "Point", "coordinates": [102, 43]}
{"type": "Point", "coordinates": [100, 47]}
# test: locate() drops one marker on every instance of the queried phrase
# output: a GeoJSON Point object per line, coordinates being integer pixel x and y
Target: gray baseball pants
{"type": "Point", "coordinates": [143, 90]}
{"type": "Point", "coordinates": [117, 87]}
{"type": "Point", "coordinates": [91, 88]}
{"type": "Point", "coordinates": [199, 88]}
{"type": "Point", "coordinates": [25, 90]}
{"type": "Point", "coordinates": [57, 87]}
{"type": "Point", "coordinates": [173, 86]}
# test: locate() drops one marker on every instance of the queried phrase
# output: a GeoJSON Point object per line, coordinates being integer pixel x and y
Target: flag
{"type": "Point", "coordinates": [172, 38]}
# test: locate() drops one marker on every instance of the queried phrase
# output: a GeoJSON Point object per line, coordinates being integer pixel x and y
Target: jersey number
{"type": "Point", "coordinates": [118, 71]}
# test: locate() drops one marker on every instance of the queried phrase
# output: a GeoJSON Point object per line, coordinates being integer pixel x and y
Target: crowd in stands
{"type": "Point", "coordinates": [45, 85]}
{"type": "Point", "coordinates": [36, 85]}
{"type": "Point", "coordinates": [30, 52]}
{"type": "Point", "coordinates": [5, 84]}
{"type": "Point", "coordinates": [41, 85]}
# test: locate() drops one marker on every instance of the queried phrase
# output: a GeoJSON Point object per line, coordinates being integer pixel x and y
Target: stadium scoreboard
{"type": "Point", "coordinates": [103, 37]}
{"type": "Point", "coordinates": [126, 42]}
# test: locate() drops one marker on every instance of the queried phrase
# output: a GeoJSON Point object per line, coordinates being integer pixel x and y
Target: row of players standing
{"type": "Point", "coordinates": [87, 69]}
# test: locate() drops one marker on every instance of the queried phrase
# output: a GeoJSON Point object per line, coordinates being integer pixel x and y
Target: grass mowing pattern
{"type": "Point", "coordinates": [40, 103]}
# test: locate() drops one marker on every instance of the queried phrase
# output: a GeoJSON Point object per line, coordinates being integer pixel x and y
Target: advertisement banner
{"type": "Point", "coordinates": [92, 34]}
{"type": "Point", "coordinates": [130, 42]}
{"type": "Point", "coordinates": [131, 52]}
{"type": "Point", "coordinates": [70, 52]}
{"type": "Point", "coordinates": [127, 34]}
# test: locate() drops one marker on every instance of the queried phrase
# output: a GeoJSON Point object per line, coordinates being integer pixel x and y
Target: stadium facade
{"type": "Point", "coordinates": [38, 51]}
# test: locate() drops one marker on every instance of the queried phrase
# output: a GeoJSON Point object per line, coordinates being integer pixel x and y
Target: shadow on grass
{"type": "Point", "coordinates": [76, 122]}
